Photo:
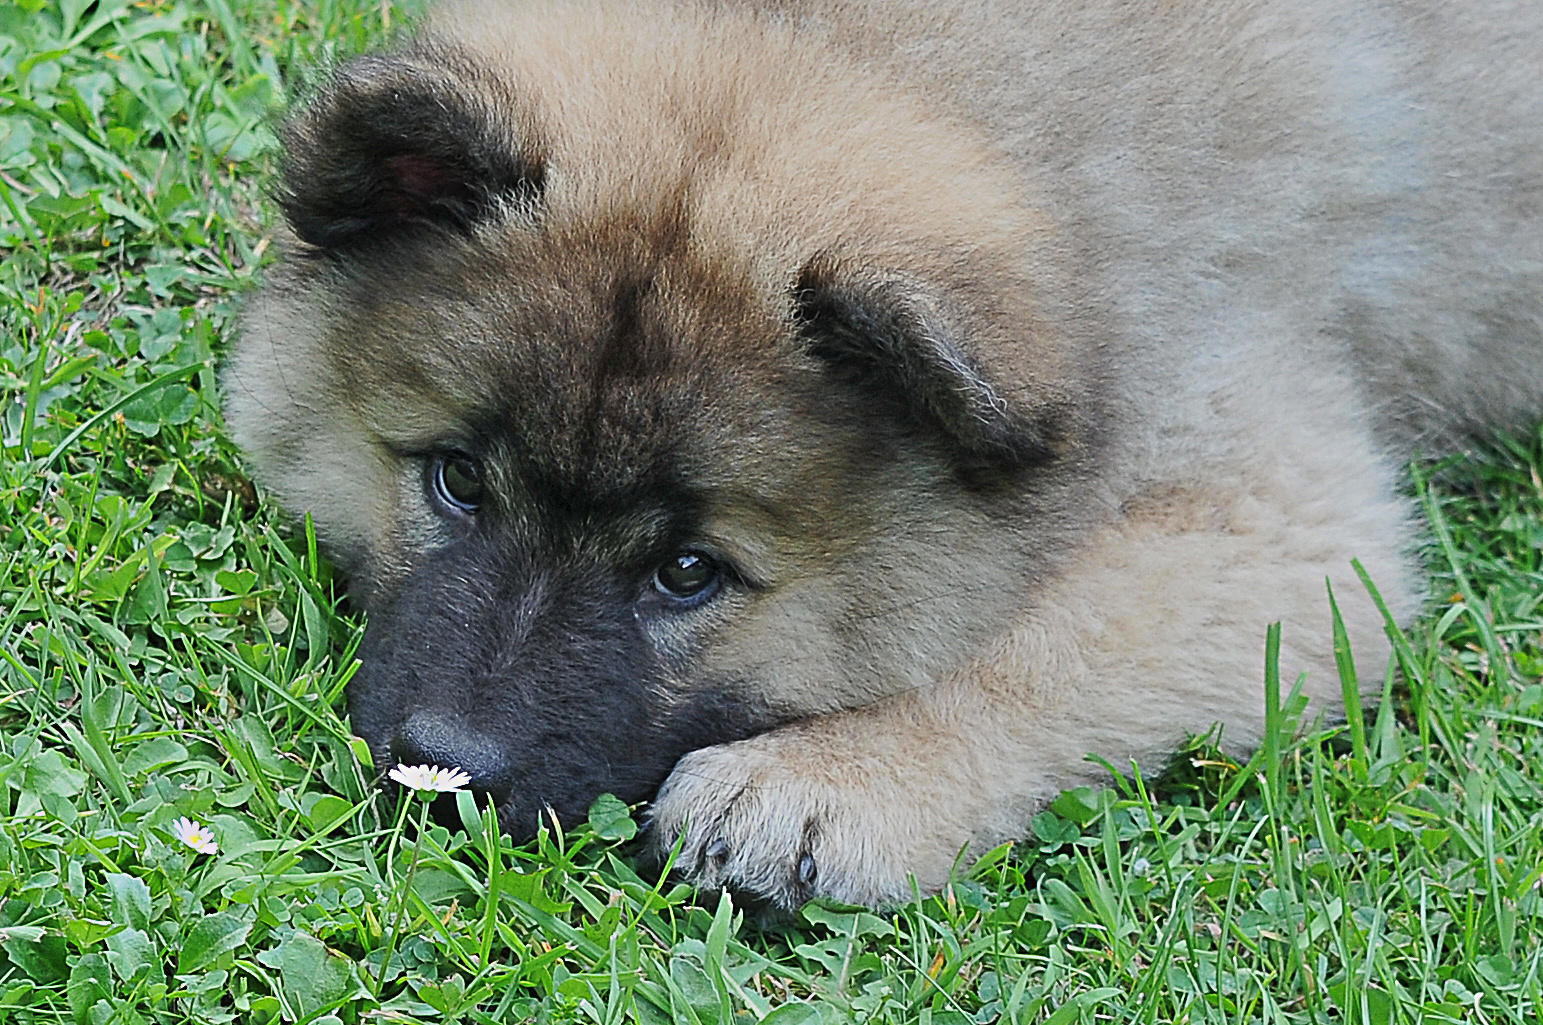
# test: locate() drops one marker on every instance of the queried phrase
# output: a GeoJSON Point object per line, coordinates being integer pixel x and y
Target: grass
{"type": "Point", "coordinates": [170, 648]}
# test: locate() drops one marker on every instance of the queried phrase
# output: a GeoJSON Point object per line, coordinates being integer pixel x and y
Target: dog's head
{"type": "Point", "coordinates": [656, 380]}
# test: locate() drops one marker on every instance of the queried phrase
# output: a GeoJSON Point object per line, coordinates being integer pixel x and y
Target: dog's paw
{"type": "Point", "coordinates": [778, 817]}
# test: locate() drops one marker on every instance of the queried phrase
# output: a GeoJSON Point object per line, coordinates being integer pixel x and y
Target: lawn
{"type": "Point", "coordinates": [172, 648]}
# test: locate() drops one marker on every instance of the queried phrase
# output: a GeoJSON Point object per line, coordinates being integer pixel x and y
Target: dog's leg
{"type": "Point", "coordinates": [1155, 631]}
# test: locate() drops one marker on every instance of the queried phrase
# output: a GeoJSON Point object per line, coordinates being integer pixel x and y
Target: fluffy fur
{"type": "Point", "coordinates": [1013, 364]}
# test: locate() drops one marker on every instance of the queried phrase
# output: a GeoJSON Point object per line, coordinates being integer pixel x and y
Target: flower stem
{"type": "Point", "coordinates": [402, 804]}
{"type": "Point", "coordinates": [402, 896]}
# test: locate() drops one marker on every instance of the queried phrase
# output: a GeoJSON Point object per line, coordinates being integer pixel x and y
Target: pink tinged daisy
{"type": "Point", "coordinates": [196, 835]}
{"type": "Point", "coordinates": [430, 779]}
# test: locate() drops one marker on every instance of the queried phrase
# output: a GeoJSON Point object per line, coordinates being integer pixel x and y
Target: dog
{"type": "Point", "coordinates": [832, 421]}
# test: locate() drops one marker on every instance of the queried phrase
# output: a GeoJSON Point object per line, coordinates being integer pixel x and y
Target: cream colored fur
{"type": "Point", "coordinates": [1245, 178]}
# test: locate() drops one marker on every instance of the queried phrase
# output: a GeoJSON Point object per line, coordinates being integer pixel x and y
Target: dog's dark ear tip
{"type": "Point", "coordinates": [889, 339]}
{"type": "Point", "coordinates": [391, 143]}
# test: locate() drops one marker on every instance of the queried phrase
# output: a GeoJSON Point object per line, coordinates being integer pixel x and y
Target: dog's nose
{"type": "Point", "coordinates": [431, 739]}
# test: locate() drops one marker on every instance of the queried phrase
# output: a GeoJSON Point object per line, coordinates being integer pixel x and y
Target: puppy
{"type": "Point", "coordinates": [833, 421]}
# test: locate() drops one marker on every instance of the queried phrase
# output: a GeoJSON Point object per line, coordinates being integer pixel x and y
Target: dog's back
{"type": "Point", "coordinates": [1363, 180]}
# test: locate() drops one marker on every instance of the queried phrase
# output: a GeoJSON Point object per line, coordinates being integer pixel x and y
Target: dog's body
{"type": "Point", "coordinates": [850, 415]}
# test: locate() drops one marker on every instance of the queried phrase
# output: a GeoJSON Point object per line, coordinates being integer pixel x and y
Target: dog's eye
{"type": "Point", "coordinates": [689, 576]}
{"type": "Point", "coordinates": [458, 482]}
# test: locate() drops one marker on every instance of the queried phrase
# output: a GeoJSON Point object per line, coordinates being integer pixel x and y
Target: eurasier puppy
{"type": "Point", "coordinates": [834, 420]}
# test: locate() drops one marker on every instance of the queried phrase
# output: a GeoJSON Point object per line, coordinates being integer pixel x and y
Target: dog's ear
{"type": "Point", "coordinates": [895, 345]}
{"type": "Point", "coordinates": [395, 143]}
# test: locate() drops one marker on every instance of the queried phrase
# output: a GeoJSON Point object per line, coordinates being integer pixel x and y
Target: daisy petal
{"type": "Point", "coordinates": [195, 835]}
{"type": "Point", "coordinates": [430, 779]}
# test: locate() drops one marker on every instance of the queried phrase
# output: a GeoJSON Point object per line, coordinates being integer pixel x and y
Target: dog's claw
{"type": "Point", "coordinates": [806, 870]}
{"type": "Point", "coordinates": [717, 849]}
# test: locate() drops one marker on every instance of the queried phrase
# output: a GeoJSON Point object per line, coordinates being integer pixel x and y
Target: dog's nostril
{"type": "Point", "coordinates": [430, 739]}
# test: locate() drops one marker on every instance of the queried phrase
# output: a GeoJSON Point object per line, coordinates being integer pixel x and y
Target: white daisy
{"type": "Point", "coordinates": [430, 779]}
{"type": "Point", "coordinates": [196, 835]}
